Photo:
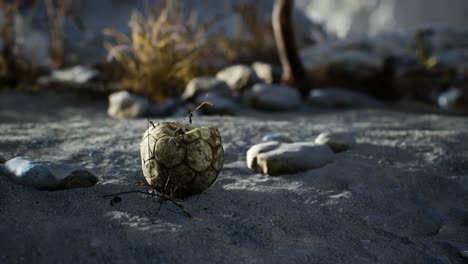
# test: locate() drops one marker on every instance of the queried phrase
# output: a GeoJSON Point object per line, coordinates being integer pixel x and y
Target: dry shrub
{"type": "Point", "coordinates": [14, 70]}
{"type": "Point", "coordinates": [162, 53]}
{"type": "Point", "coordinates": [57, 11]}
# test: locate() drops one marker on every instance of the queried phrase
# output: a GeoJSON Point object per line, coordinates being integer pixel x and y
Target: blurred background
{"type": "Point", "coordinates": [388, 49]}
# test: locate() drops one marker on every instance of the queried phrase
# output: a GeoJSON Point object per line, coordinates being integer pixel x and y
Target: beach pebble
{"type": "Point", "coordinates": [341, 97]}
{"type": "Point", "coordinates": [46, 175]}
{"type": "Point", "coordinates": [275, 158]}
{"type": "Point", "coordinates": [276, 137]}
{"type": "Point", "coordinates": [338, 142]}
{"type": "Point", "coordinates": [124, 104]}
{"type": "Point", "coordinates": [266, 72]}
{"type": "Point", "coordinates": [274, 97]}
{"type": "Point", "coordinates": [201, 86]}
{"type": "Point", "coordinates": [220, 105]}
{"type": "Point", "coordinates": [238, 77]}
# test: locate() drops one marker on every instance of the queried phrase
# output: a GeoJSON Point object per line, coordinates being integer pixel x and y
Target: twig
{"type": "Point", "coordinates": [161, 196]}
{"type": "Point", "coordinates": [190, 114]}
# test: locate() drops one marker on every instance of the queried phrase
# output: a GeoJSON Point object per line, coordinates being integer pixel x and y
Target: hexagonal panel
{"type": "Point", "coordinates": [199, 155]}
{"type": "Point", "coordinates": [170, 151]}
{"type": "Point", "coordinates": [191, 136]}
{"type": "Point", "coordinates": [218, 158]}
{"type": "Point", "coordinates": [203, 181]}
{"type": "Point", "coordinates": [147, 147]}
{"type": "Point", "coordinates": [181, 175]}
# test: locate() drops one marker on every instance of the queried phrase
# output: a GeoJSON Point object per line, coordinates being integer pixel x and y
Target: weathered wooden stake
{"type": "Point", "coordinates": [293, 70]}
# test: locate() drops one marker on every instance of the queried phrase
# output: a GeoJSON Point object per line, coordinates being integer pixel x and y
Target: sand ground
{"type": "Point", "coordinates": [400, 195]}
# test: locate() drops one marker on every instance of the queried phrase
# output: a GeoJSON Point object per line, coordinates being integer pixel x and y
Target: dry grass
{"type": "Point", "coordinates": [162, 53]}
{"type": "Point", "coordinates": [166, 49]}
{"type": "Point", "coordinates": [14, 69]}
{"type": "Point", "coordinates": [56, 14]}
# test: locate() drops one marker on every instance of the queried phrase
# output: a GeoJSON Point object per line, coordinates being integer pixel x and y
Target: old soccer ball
{"type": "Point", "coordinates": [181, 160]}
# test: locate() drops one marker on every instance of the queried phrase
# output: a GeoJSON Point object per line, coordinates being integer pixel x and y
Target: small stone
{"type": "Point", "coordinates": [266, 72]}
{"type": "Point", "coordinates": [275, 97]}
{"type": "Point", "coordinates": [168, 107]}
{"type": "Point", "coordinates": [276, 137]}
{"type": "Point", "coordinates": [275, 158]}
{"type": "Point", "coordinates": [453, 99]}
{"type": "Point", "coordinates": [220, 105]}
{"type": "Point", "coordinates": [77, 74]}
{"type": "Point", "coordinates": [46, 175]}
{"type": "Point", "coordinates": [206, 85]}
{"type": "Point", "coordinates": [2, 159]}
{"type": "Point", "coordinates": [238, 77]}
{"type": "Point", "coordinates": [340, 97]}
{"type": "Point", "coordinates": [124, 104]}
{"type": "Point", "coordinates": [338, 142]}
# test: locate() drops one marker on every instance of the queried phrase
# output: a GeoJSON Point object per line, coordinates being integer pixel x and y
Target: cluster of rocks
{"type": "Point", "coordinates": [428, 65]}
{"type": "Point", "coordinates": [234, 88]}
{"type": "Point", "coordinates": [279, 155]}
{"type": "Point", "coordinates": [46, 175]}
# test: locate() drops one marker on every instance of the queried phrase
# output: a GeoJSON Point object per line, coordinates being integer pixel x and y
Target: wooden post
{"type": "Point", "coordinates": [293, 70]}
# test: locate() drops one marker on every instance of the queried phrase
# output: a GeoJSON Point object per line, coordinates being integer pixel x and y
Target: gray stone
{"type": "Point", "coordinates": [453, 99]}
{"type": "Point", "coordinates": [205, 85]}
{"type": "Point", "coordinates": [46, 175]}
{"type": "Point", "coordinates": [266, 72]}
{"type": "Point", "coordinates": [275, 158]}
{"type": "Point", "coordinates": [238, 77]}
{"type": "Point", "coordinates": [341, 97]}
{"type": "Point", "coordinates": [275, 97]}
{"type": "Point", "coordinates": [276, 137]}
{"type": "Point", "coordinates": [338, 142]}
{"type": "Point", "coordinates": [124, 104]}
{"type": "Point", "coordinates": [220, 105]}
{"type": "Point", "coordinates": [166, 108]}
{"type": "Point", "coordinates": [322, 60]}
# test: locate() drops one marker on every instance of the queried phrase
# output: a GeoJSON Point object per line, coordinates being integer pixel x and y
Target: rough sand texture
{"type": "Point", "coordinates": [398, 196]}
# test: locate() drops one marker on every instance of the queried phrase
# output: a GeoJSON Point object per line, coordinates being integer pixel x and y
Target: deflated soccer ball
{"type": "Point", "coordinates": [181, 160]}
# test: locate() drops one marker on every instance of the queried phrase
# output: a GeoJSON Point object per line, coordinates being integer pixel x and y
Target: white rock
{"type": "Point", "coordinates": [76, 74]}
{"type": "Point", "coordinates": [203, 85]}
{"type": "Point", "coordinates": [127, 105]}
{"type": "Point", "coordinates": [276, 137]}
{"type": "Point", "coordinates": [238, 77]}
{"type": "Point", "coordinates": [453, 99]}
{"type": "Point", "coordinates": [338, 142]}
{"type": "Point", "coordinates": [220, 105]}
{"type": "Point", "coordinates": [341, 97]}
{"type": "Point", "coordinates": [45, 175]}
{"type": "Point", "coordinates": [274, 97]}
{"type": "Point", "coordinates": [266, 72]}
{"type": "Point", "coordinates": [274, 158]}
